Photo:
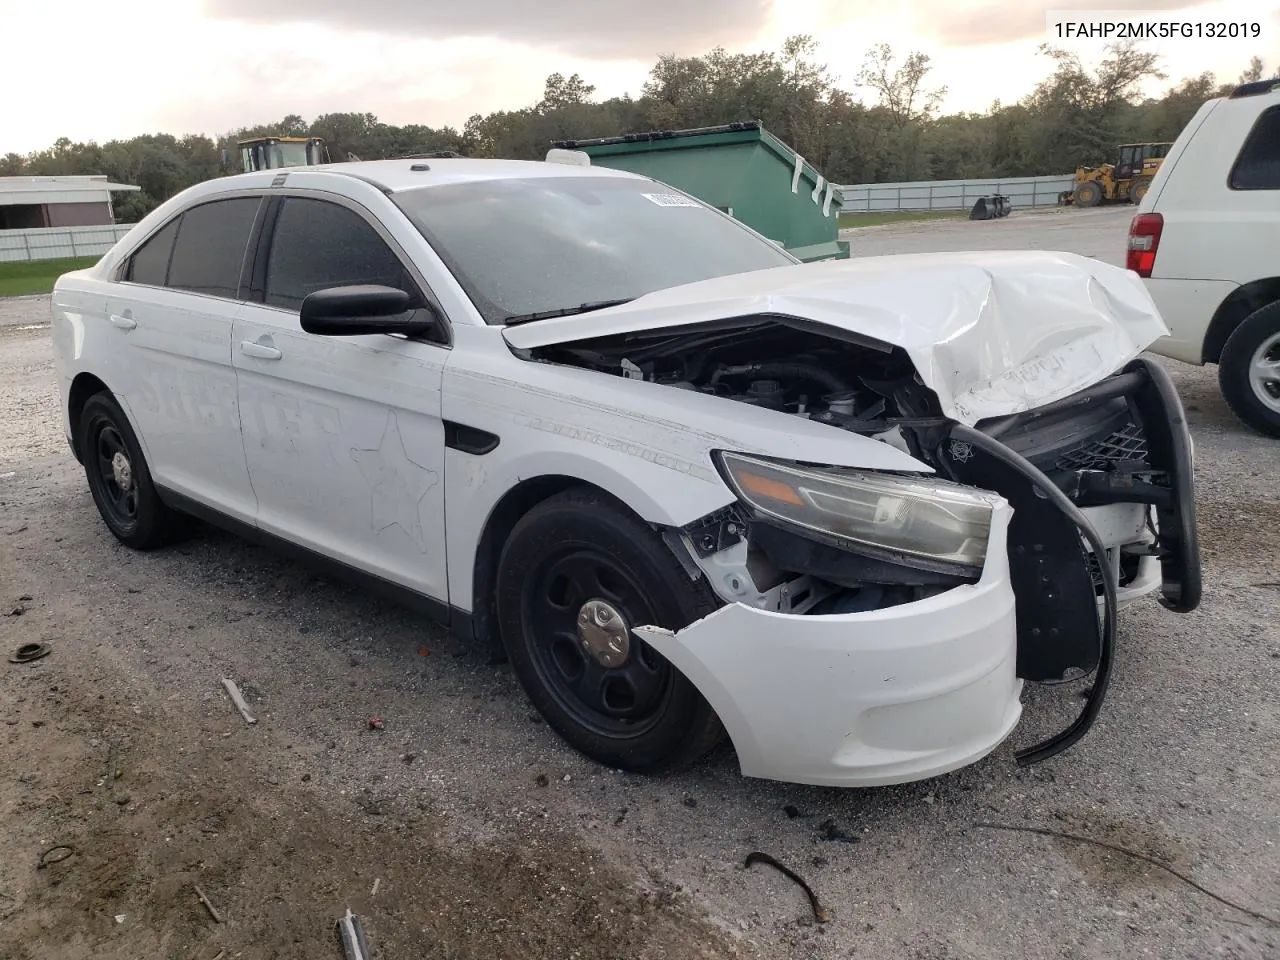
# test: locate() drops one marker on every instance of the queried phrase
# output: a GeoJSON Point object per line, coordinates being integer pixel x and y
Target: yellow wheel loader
{"type": "Point", "coordinates": [1123, 182]}
{"type": "Point", "coordinates": [270, 153]}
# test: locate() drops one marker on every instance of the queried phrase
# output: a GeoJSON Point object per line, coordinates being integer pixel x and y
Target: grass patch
{"type": "Point", "coordinates": [879, 217]}
{"type": "Point", "coordinates": [37, 276]}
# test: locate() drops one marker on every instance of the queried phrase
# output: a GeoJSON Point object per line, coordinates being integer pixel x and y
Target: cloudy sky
{"type": "Point", "coordinates": [91, 70]}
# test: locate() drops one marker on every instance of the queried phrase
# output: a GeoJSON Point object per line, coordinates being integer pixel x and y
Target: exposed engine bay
{"type": "Point", "coordinates": [854, 383]}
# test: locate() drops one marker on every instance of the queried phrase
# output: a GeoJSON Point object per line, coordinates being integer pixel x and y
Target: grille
{"type": "Point", "coordinates": [1095, 571]}
{"type": "Point", "coordinates": [1127, 443]}
{"type": "Point", "coordinates": [1128, 569]}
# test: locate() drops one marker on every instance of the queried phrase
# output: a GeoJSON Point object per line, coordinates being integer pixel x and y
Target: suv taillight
{"type": "Point", "coordinates": [1144, 238]}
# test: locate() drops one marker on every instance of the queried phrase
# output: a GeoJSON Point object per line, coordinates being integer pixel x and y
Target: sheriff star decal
{"type": "Point", "coordinates": [397, 484]}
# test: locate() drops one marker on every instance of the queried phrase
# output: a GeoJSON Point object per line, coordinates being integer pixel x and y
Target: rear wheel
{"type": "Point", "coordinates": [577, 573]}
{"type": "Point", "coordinates": [119, 479]}
{"type": "Point", "coordinates": [1249, 370]}
{"type": "Point", "coordinates": [1088, 194]}
{"type": "Point", "coordinates": [1138, 189]}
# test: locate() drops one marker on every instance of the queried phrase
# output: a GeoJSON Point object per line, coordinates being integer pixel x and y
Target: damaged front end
{"type": "Point", "coordinates": [1100, 485]}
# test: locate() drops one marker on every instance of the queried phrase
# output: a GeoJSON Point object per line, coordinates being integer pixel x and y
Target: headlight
{"type": "Point", "coordinates": [929, 519]}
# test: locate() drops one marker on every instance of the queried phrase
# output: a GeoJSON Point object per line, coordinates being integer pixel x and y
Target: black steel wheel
{"type": "Point", "coordinates": [119, 479]}
{"type": "Point", "coordinates": [576, 574]}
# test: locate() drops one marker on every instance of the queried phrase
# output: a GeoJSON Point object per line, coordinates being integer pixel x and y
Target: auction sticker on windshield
{"type": "Point", "coordinates": [669, 200]}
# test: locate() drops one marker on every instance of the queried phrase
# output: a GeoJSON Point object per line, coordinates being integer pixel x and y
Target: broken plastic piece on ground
{"type": "Point", "coordinates": [29, 652]}
{"type": "Point", "coordinates": [351, 936]}
{"type": "Point", "coordinates": [234, 692]}
{"type": "Point", "coordinates": [375, 723]}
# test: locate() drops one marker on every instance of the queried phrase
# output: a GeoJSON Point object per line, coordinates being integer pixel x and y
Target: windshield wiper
{"type": "Point", "coordinates": [564, 311]}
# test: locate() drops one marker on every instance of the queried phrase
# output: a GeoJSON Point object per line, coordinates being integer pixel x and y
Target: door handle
{"type": "Point", "coordinates": [124, 323]}
{"type": "Point", "coordinates": [259, 350]}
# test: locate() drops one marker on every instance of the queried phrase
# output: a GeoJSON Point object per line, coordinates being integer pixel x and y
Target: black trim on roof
{"type": "Point", "coordinates": [1255, 88]}
{"type": "Point", "coordinates": [735, 127]}
{"type": "Point", "coordinates": [431, 155]}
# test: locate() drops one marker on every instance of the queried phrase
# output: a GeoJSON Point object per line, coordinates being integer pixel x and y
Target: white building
{"type": "Point", "coordinates": [33, 202]}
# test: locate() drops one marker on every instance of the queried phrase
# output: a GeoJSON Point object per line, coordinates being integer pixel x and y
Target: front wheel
{"type": "Point", "coordinates": [576, 575]}
{"type": "Point", "coordinates": [1249, 370]}
{"type": "Point", "coordinates": [119, 479]}
{"type": "Point", "coordinates": [1088, 194]}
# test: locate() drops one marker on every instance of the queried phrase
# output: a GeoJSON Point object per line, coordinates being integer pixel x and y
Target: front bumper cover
{"type": "Point", "coordinates": [863, 699]}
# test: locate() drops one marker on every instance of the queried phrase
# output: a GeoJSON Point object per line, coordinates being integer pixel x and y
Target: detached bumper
{"type": "Point", "coordinates": [863, 699]}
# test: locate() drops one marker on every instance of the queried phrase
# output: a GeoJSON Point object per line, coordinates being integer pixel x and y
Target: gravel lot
{"type": "Point", "coordinates": [1099, 232]}
{"type": "Point", "coordinates": [488, 838]}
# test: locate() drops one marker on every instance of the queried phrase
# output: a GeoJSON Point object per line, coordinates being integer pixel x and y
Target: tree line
{"type": "Point", "coordinates": [1075, 115]}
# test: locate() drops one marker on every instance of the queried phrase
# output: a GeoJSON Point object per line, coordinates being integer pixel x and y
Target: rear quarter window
{"type": "Point", "coordinates": [149, 264]}
{"type": "Point", "coordinates": [1258, 165]}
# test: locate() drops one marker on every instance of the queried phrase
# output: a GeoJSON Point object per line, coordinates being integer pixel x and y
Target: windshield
{"type": "Point", "coordinates": [564, 244]}
{"type": "Point", "coordinates": [270, 155]}
{"type": "Point", "coordinates": [289, 154]}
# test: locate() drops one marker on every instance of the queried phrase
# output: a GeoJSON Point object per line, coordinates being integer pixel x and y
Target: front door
{"type": "Point", "coordinates": [342, 435]}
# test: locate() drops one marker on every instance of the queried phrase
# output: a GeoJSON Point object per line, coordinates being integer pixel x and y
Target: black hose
{"type": "Point", "coordinates": [1110, 589]}
{"type": "Point", "coordinates": [786, 368]}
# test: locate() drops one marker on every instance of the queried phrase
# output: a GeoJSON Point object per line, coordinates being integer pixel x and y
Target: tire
{"type": "Point", "coordinates": [1138, 189]}
{"type": "Point", "coordinates": [1088, 194]}
{"type": "Point", "coordinates": [1249, 370]}
{"type": "Point", "coordinates": [119, 479]}
{"type": "Point", "coordinates": [637, 712]}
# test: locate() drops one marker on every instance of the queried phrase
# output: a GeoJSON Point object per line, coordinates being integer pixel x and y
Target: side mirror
{"type": "Point", "coordinates": [357, 310]}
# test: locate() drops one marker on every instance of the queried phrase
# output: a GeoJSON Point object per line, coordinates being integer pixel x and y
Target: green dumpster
{"type": "Point", "coordinates": [741, 169]}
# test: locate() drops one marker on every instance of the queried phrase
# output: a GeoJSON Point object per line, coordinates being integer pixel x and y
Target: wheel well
{"type": "Point", "coordinates": [1242, 302]}
{"type": "Point", "coordinates": [514, 504]}
{"type": "Point", "coordinates": [84, 386]}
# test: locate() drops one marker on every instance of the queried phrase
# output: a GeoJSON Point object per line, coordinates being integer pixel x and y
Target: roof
{"type": "Point", "coordinates": [37, 190]}
{"type": "Point", "coordinates": [1255, 88]}
{"type": "Point", "coordinates": [394, 176]}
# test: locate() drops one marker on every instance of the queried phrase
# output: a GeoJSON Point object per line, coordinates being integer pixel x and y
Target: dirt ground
{"type": "Point", "coordinates": [464, 828]}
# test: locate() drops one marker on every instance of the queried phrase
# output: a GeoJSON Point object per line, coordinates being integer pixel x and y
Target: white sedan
{"type": "Point", "coordinates": [688, 486]}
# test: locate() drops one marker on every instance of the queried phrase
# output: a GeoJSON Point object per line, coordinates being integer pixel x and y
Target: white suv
{"type": "Point", "coordinates": [1206, 239]}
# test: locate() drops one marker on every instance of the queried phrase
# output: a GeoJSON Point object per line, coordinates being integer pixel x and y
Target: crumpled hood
{"type": "Point", "coordinates": [991, 333]}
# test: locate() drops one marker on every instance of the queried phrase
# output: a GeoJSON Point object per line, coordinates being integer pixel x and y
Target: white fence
{"type": "Point", "coordinates": [952, 194]}
{"type": "Point", "coordinates": [51, 243]}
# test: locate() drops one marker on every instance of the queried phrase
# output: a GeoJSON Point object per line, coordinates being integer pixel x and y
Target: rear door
{"type": "Point", "coordinates": [343, 435]}
{"type": "Point", "coordinates": [172, 315]}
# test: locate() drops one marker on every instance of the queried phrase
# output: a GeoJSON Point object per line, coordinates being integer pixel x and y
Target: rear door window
{"type": "Point", "coordinates": [1258, 166]}
{"type": "Point", "coordinates": [317, 244]}
{"type": "Point", "coordinates": [209, 253]}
